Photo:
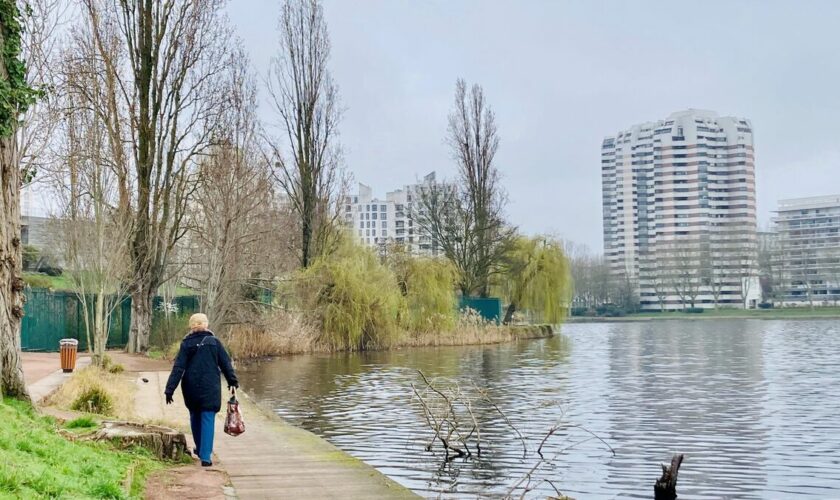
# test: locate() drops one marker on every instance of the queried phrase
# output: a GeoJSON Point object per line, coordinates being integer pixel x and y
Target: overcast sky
{"type": "Point", "coordinates": [563, 74]}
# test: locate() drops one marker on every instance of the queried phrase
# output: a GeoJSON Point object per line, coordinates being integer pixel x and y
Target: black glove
{"type": "Point", "coordinates": [169, 399]}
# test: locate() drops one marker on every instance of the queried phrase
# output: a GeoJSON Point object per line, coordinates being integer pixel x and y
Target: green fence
{"type": "Point", "coordinates": [489, 308]}
{"type": "Point", "coordinates": [52, 316]}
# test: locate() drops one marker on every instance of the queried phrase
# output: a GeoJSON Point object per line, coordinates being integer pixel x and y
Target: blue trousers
{"type": "Point", "coordinates": [202, 424]}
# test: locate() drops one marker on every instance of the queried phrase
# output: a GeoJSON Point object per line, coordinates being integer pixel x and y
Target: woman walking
{"type": "Point", "coordinates": [200, 360]}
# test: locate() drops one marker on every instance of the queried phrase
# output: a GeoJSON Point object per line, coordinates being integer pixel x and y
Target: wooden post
{"type": "Point", "coordinates": [665, 487]}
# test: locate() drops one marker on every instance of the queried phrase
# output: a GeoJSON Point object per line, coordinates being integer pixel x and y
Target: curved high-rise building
{"type": "Point", "coordinates": [679, 210]}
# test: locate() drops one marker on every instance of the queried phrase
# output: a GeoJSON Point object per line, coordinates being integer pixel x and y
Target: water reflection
{"type": "Point", "coordinates": [753, 404]}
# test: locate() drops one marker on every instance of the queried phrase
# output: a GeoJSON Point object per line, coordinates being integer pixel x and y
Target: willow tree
{"type": "Point", "coordinates": [305, 97]}
{"type": "Point", "coordinates": [162, 64]}
{"type": "Point", "coordinates": [428, 288]}
{"type": "Point", "coordinates": [15, 97]}
{"type": "Point", "coordinates": [537, 278]}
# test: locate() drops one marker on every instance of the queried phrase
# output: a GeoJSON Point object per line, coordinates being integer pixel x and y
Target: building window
{"type": "Point", "coordinates": [373, 215]}
{"type": "Point", "coordinates": [382, 208]}
{"type": "Point", "coordinates": [24, 234]}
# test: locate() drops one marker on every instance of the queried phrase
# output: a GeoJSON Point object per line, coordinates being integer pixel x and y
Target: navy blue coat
{"type": "Point", "coordinates": [200, 360]}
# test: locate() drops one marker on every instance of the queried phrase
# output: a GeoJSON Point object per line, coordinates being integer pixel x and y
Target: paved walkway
{"type": "Point", "coordinates": [272, 459]}
{"type": "Point", "coordinates": [43, 375]}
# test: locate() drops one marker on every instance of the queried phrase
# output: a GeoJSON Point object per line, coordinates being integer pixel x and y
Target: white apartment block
{"type": "Point", "coordinates": [381, 222]}
{"type": "Point", "coordinates": [806, 253]}
{"type": "Point", "coordinates": [679, 210]}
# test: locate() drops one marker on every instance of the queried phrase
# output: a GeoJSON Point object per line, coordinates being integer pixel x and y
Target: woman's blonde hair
{"type": "Point", "coordinates": [198, 321]}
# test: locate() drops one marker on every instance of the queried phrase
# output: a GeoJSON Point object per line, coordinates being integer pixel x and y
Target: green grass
{"type": "Point", "coordinates": [57, 283]}
{"type": "Point", "coordinates": [81, 423]}
{"type": "Point", "coordinates": [64, 283]}
{"type": "Point", "coordinates": [37, 462]}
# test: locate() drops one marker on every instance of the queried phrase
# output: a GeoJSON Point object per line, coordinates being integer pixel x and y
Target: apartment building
{"type": "Point", "coordinates": [378, 222]}
{"type": "Point", "coordinates": [806, 256]}
{"type": "Point", "coordinates": [679, 210]}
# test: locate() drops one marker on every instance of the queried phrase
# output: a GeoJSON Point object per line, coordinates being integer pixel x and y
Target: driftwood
{"type": "Point", "coordinates": [163, 442]}
{"type": "Point", "coordinates": [665, 487]}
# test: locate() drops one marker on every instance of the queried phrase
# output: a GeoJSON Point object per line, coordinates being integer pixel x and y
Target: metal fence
{"type": "Point", "coordinates": [52, 316]}
{"type": "Point", "coordinates": [489, 308]}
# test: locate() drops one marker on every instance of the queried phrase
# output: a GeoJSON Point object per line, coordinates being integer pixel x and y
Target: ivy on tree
{"type": "Point", "coordinates": [15, 94]}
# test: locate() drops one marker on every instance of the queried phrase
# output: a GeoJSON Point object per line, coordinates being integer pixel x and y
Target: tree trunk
{"type": "Point", "coordinates": [511, 308]}
{"type": "Point", "coordinates": [100, 329]}
{"type": "Point", "coordinates": [163, 442]}
{"type": "Point", "coordinates": [141, 321]}
{"type": "Point", "coordinates": [11, 284]}
{"type": "Point", "coordinates": [665, 487]}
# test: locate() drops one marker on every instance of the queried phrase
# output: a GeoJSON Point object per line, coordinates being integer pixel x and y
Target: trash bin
{"type": "Point", "coordinates": [69, 348]}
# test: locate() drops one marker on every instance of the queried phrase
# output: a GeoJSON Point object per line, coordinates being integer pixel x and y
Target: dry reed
{"type": "Point", "coordinates": [119, 389]}
{"type": "Point", "coordinates": [281, 333]}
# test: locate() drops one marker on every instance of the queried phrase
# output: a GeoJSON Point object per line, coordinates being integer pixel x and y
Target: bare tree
{"type": "Point", "coordinates": [747, 272]}
{"type": "Point", "coordinates": [467, 222]}
{"type": "Point", "coordinates": [233, 240]}
{"type": "Point", "coordinates": [94, 238]}
{"type": "Point", "coordinates": [683, 270]}
{"type": "Point", "coordinates": [162, 62]}
{"type": "Point", "coordinates": [659, 281]}
{"type": "Point", "coordinates": [15, 97]}
{"type": "Point", "coordinates": [40, 46]}
{"type": "Point", "coordinates": [306, 99]}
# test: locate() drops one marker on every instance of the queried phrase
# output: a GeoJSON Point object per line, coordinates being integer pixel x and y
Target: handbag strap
{"type": "Point", "coordinates": [189, 361]}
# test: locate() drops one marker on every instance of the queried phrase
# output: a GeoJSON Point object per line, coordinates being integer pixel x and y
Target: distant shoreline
{"type": "Point", "coordinates": [831, 313]}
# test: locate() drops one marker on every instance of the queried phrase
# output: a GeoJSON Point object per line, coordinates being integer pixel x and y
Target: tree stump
{"type": "Point", "coordinates": [163, 442]}
{"type": "Point", "coordinates": [665, 487]}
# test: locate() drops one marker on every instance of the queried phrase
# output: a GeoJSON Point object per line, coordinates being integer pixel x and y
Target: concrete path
{"type": "Point", "coordinates": [272, 459]}
{"type": "Point", "coordinates": [42, 378]}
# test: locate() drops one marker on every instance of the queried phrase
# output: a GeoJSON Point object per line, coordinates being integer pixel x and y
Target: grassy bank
{"type": "Point", "coordinates": [782, 313]}
{"type": "Point", "coordinates": [36, 461]}
{"type": "Point", "coordinates": [64, 283]}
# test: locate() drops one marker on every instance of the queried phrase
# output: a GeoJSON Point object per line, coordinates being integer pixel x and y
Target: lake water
{"type": "Point", "coordinates": [754, 405]}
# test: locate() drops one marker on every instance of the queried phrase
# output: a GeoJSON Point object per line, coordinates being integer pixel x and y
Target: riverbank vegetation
{"type": "Point", "coordinates": [355, 299]}
{"type": "Point", "coordinates": [36, 461]}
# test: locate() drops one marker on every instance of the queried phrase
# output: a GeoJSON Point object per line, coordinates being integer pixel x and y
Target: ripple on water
{"type": "Point", "coordinates": [753, 404]}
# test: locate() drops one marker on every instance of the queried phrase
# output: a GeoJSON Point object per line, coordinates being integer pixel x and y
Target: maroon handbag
{"type": "Point", "coordinates": [234, 424]}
